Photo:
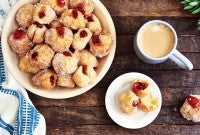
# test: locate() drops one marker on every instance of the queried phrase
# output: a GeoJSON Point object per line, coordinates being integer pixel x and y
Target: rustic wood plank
{"type": "Point", "coordinates": [145, 8]}
{"type": "Point", "coordinates": [117, 130]}
{"type": "Point", "coordinates": [127, 61]}
{"type": "Point", "coordinates": [98, 116]}
{"type": "Point", "coordinates": [171, 96]}
{"type": "Point", "coordinates": [129, 25]}
{"type": "Point", "coordinates": [186, 43]}
{"type": "Point", "coordinates": [164, 78]}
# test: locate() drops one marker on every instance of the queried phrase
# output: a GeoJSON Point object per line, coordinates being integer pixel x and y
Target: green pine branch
{"type": "Point", "coordinates": [193, 6]}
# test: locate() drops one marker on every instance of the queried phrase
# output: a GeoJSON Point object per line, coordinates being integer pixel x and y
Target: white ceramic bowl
{"type": "Point", "coordinates": [11, 59]}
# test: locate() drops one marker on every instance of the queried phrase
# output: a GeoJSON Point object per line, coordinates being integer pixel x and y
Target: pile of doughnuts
{"type": "Point", "coordinates": [138, 96]}
{"type": "Point", "coordinates": [60, 42]}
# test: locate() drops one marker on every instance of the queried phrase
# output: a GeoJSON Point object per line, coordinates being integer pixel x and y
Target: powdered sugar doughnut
{"type": "Point", "coordinates": [85, 6]}
{"type": "Point", "coordinates": [59, 39]}
{"type": "Point", "coordinates": [72, 19]}
{"type": "Point", "coordinates": [66, 81]}
{"type": "Point", "coordinates": [81, 38]}
{"type": "Point", "coordinates": [36, 32]}
{"type": "Point", "coordinates": [65, 63]}
{"type": "Point", "coordinates": [93, 23]}
{"type": "Point", "coordinates": [25, 66]}
{"type": "Point", "coordinates": [84, 76]}
{"type": "Point", "coordinates": [45, 79]}
{"type": "Point", "coordinates": [100, 44]}
{"type": "Point", "coordinates": [24, 15]}
{"type": "Point", "coordinates": [43, 14]}
{"type": "Point", "coordinates": [191, 108]}
{"type": "Point", "coordinates": [57, 5]}
{"type": "Point", "coordinates": [87, 58]}
{"type": "Point", "coordinates": [19, 42]}
{"type": "Point", "coordinates": [41, 55]}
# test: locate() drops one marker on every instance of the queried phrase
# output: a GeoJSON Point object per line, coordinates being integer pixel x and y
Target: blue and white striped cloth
{"type": "Point", "coordinates": [18, 116]}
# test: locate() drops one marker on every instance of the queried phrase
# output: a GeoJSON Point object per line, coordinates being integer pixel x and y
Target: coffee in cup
{"type": "Point", "coordinates": [156, 41]}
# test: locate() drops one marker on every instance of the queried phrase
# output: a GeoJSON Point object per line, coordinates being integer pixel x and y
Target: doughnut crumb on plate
{"type": "Point", "coordinates": [128, 102]}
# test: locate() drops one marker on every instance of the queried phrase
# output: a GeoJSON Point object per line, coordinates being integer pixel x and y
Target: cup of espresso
{"type": "Point", "coordinates": [156, 41]}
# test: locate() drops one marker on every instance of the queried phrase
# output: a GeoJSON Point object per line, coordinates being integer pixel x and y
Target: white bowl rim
{"type": "Point", "coordinates": [51, 93]}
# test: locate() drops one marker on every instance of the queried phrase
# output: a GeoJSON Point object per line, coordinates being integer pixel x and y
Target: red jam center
{"type": "Point", "coordinates": [137, 86]}
{"type": "Point", "coordinates": [66, 53]}
{"type": "Point", "coordinates": [96, 40]}
{"type": "Point", "coordinates": [41, 13]}
{"type": "Point", "coordinates": [90, 18]}
{"type": "Point", "coordinates": [83, 34]}
{"type": "Point", "coordinates": [34, 56]}
{"type": "Point", "coordinates": [60, 31]}
{"type": "Point", "coordinates": [19, 34]}
{"type": "Point", "coordinates": [52, 80]}
{"type": "Point", "coordinates": [80, 7]}
{"type": "Point", "coordinates": [135, 103]}
{"type": "Point", "coordinates": [85, 69]}
{"type": "Point", "coordinates": [193, 101]}
{"type": "Point", "coordinates": [61, 3]}
{"type": "Point", "coordinates": [74, 13]}
{"type": "Point", "coordinates": [38, 24]}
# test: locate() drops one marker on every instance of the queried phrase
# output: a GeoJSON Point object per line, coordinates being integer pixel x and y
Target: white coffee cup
{"type": "Point", "coordinates": [174, 54]}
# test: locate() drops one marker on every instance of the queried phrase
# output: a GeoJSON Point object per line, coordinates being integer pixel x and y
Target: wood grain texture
{"type": "Point", "coordinates": [126, 25]}
{"type": "Point", "coordinates": [171, 96]}
{"type": "Point", "coordinates": [116, 130]}
{"type": "Point", "coordinates": [145, 8]}
{"type": "Point", "coordinates": [164, 78]}
{"type": "Point", "coordinates": [98, 116]}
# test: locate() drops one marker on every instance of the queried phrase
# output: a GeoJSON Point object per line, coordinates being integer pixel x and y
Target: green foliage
{"type": "Point", "coordinates": [193, 6]}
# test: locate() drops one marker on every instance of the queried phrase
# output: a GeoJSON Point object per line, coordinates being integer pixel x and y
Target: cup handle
{"type": "Point", "coordinates": [181, 60]}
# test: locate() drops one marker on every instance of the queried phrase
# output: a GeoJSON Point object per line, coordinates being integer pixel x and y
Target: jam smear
{"type": "Point", "coordinates": [193, 101]}
{"type": "Point", "coordinates": [74, 13]}
{"type": "Point", "coordinates": [137, 86]}
{"type": "Point", "coordinates": [34, 56]}
{"type": "Point", "coordinates": [85, 69]}
{"type": "Point", "coordinates": [38, 24]}
{"type": "Point", "coordinates": [80, 7]}
{"type": "Point", "coordinates": [61, 3]}
{"type": "Point", "coordinates": [52, 80]}
{"type": "Point", "coordinates": [60, 31]}
{"type": "Point", "coordinates": [19, 34]}
{"type": "Point", "coordinates": [90, 18]}
{"type": "Point", "coordinates": [96, 40]}
{"type": "Point", "coordinates": [83, 34]}
{"type": "Point", "coordinates": [135, 103]}
{"type": "Point", "coordinates": [66, 53]}
{"type": "Point", "coordinates": [41, 13]}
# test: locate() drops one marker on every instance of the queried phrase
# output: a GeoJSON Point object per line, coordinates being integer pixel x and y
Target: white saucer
{"type": "Point", "coordinates": [138, 119]}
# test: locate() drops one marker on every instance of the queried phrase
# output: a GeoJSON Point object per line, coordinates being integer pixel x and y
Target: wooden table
{"type": "Point", "coordinates": [86, 114]}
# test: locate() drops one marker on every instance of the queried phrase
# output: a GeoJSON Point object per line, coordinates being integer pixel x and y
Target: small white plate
{"type": "Point", "coordinates": [138, 119]}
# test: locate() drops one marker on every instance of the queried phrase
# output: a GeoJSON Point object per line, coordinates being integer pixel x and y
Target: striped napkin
{"type": "Point", "coordinates": [18, 116]}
